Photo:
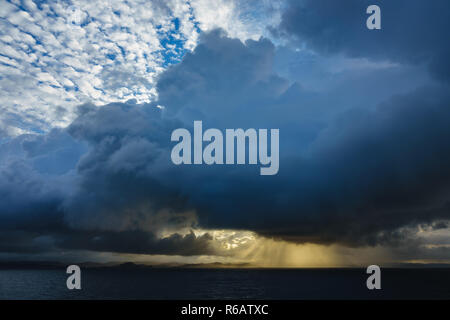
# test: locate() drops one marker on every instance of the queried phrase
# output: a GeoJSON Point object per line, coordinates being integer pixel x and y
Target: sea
{"type": "Point", "coordinates": [191, 283]}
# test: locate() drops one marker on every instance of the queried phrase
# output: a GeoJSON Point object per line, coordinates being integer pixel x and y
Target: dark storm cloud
{"type": "Point", "coordinates": [412, 31]}
{"type": "Point", "coordinates": [362, 179]}
{"type": "Point", "coordinates": [122, 176]}
{"type": "Point", "coordinates": [96, 185]}
{"type": "Point", "coordinates": [39, 240]}
{"type": "Point", "coordinates": [356, 180]}
{"type": "Point", "coordinates": [106, 183]}
{"type": "Point", "coordinates": [221, 78]}
{"type": "Point", "coordinates": [139, 242]}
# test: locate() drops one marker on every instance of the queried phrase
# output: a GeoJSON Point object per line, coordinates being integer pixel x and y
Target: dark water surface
{"type": "Point", "coordinates": [149, 283]}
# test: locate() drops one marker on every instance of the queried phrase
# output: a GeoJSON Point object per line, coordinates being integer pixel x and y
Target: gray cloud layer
{"type": "Point", "coordinates": [413, 31]}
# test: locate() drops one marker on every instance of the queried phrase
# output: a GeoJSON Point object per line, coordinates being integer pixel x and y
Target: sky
{"type": "Point", "coordinates": [90, 93]}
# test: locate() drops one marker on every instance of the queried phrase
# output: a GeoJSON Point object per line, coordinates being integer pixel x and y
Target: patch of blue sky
{"type": "Point", "coordinates": [173, 44]}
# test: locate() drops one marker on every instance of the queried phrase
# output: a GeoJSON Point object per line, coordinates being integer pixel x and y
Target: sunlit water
{"type": "Point", "coordinates": [225, 284]}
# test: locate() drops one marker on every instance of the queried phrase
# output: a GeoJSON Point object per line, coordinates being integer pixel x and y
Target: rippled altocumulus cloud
{"type": "Point", "coordinates": [55, 55]}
